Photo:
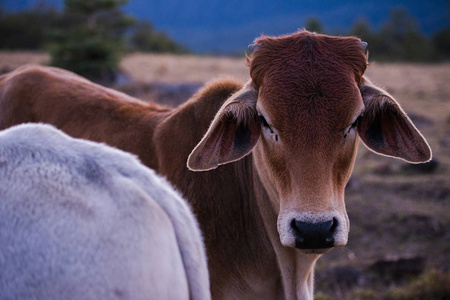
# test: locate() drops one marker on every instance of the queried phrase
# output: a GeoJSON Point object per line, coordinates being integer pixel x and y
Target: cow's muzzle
{"type": "Point", "coordinates": [314, 235]}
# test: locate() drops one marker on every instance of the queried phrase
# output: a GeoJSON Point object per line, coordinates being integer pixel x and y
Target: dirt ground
{"type": "Point", "coordinates": [399, 213]}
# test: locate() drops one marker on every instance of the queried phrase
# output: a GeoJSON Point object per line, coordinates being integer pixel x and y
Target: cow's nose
{"type": "Point", "coordinates": [314, 235]}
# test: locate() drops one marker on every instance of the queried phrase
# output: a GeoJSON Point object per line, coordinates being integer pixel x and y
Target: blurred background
{"type": "Point", "coordinates": [163, 51]}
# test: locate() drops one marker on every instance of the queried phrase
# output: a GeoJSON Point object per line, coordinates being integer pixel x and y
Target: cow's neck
{"type": "Point", "coordinates": [241, 260]}
{"type": "Point", "coordinates": [297, 271]}
{"type": "Point", "coordinates": [297, 268]}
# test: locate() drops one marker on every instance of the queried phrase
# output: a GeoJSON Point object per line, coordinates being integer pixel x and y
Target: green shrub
{"type": "Point", "coordinates": [321, 296]}
{"type": "Point", "coordinates": [145, 38]}
{"type": "Point", "coordinates": [433, 285]}
{"type": "Point", "coordinates": [363, 294]}
{"type": "Point", "coordinates": [16, 32]}
{"type": "Point", "coordinates": [92, 45]}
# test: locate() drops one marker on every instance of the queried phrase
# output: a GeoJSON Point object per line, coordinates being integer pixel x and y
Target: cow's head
{"type": "Point", "coordinates": [300, 115]}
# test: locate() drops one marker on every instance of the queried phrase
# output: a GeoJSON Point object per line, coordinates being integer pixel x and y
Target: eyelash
{"type": "Point", "coordinates": [265, 124]}
{"type": "Point", "coordinates": [355, 124]}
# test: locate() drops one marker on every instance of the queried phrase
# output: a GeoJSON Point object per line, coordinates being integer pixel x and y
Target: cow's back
{"type": "Point", "coordinates": [80, 220]}
{"type": "Point", "coordinates": [80, 108]}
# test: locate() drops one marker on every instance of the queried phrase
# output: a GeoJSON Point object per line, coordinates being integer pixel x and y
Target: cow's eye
{"type": "Point", "coordinates": [356, 123]}
{"type": "Point", "coordinates": [264, 122]}
{"type": "Point", "coordinates": [351, 127]}
{"type": "Point", "coordinates": [266, 125]}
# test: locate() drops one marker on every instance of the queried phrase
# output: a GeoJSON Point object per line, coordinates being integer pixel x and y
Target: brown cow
{"type": "Point", "coordinates": [287, 139]}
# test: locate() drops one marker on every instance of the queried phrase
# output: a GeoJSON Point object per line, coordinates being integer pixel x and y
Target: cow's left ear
{"type": "Point", "coordinates": [386, 129]}
{"type": "Point", "coordinates": [232, 134]}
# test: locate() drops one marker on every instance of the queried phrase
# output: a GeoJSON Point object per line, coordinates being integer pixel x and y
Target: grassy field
{"type": "Point", "coordinates": [399, 245]}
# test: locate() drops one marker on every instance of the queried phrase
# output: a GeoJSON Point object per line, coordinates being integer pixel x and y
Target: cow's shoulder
{"type": "Point", "coordinates": [218, 89]}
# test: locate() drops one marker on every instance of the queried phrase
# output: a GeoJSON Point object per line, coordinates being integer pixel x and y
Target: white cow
{"type": "Point", "coordinates": [82, 220]}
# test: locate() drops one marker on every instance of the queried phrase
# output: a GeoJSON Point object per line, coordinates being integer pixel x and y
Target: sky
{"type": "Point", "coordinates": [230, 25]}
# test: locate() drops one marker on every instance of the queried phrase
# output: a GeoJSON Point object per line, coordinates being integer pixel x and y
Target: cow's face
{"type": "Point", "coordinates": [301, 115]}
{"type": "Point", "coordinates": [305, 155]}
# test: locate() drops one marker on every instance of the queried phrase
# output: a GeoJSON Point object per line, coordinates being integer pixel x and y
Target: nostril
{"type": "Point", "coordinates": [333, 225]}
{"type": "Point", "coordinates": [325, 227]}
{"type": "Point", "coordinates": [296, 231]}
{"type": "Point", "coordinates": [331, 230]}
{"type": "Point", "coordinates": [328, 226]}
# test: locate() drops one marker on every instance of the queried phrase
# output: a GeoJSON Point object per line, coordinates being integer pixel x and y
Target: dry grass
{"type": "Point", "coordinates": [395, 212]}
{"type": "Point", "coordinates": [422, 88]}
{"type": "Point", "coordinates": [10, 60]}
{"type": "Point", "coordinates": [177, 69]}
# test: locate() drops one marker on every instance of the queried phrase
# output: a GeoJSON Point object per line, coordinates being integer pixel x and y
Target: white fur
{"type": "Point", "coordinates": [81, 220]}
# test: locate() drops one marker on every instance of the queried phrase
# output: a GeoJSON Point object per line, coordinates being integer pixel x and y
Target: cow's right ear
{"type": "Point", "coordinates": [232, 134]}
{"type": "Point", "coordinates": [386, 129]}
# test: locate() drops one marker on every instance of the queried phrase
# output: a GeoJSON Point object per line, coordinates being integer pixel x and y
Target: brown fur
{"type": "Point", "coordinates": [80, 108]}
{"type": "Point", "coordinates": [305, 80]}
{"type": "Point", "coordinates": [309, 86]}
{"type": "Point", "coordinates": [223, 199]}
{"type": "Point", "coordinates": [225, 210]}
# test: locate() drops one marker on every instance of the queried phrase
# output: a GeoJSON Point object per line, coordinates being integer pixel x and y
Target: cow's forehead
{"type": "Point", "coordinates": [310, 99]}
{"type": "Point", "coordinates": [304, 65]}
{"type": "Point", "coordinates": [308, 83]}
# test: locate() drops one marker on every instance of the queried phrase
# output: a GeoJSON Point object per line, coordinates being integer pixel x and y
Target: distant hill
{"type": "Point", "coordinates": [227, 26]}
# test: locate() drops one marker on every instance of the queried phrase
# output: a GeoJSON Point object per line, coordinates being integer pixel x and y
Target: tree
{"type": "Point", "coordinates": [362, 30]}
{"type": "Point", "coordinates": [92, 44]}
{"type": "Point", "coordinates": [441, 44]}
{"type": "Point", "coordinates": [146, 39]}
{"type": "Point", "coordinates": [18, 30]}
{"type": "Point", "coordinates": [313, 24]}
{"type": "Point", "coordinates": [400, 38]}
